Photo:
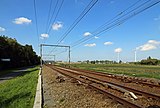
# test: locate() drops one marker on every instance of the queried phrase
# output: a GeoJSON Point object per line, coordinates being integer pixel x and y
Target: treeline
{"type": "Point", "coordinates": [150, 61]}
{"type": "Point", "coordinates": [98, 62]}
{"type": "Point", "coordinates": [13, 54]}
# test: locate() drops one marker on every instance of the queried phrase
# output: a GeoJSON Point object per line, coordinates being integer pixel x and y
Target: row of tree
{"type": "Point", "coordinates": [150, 61]}
{"type": "Point", "coordinates": [99, 62]}
{"type": "Point", "coordinates": [13, 54]}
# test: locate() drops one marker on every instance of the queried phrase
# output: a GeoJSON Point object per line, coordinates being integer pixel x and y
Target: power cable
{"type": "Point", "coordinates": [50, 23]}
{"type": "Point", "coordinates": [80, 17]}
{"type": "Point", "coordinates": [109, 23]}
{"type": "Point", "coordinates": [76, 22]}
{"type": "Point", "coordinates": [35, 14]}
{"type": "Point", "coordinates": [120, 22]}
{"type": "Point", "coordinates": [49, 11]}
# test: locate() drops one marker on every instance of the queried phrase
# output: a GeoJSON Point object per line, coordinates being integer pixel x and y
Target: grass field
{"type": "Point", "coordinates": [20, 91]}
{"type": "Point", "coordinates": [126, 69]}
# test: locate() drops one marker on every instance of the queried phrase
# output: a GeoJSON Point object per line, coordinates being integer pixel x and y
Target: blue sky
{"type": "Point", "coordinates": [142, 32]}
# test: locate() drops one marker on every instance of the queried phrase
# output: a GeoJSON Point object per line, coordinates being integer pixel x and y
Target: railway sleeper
{"type": "Point", "coordinates": [89, 84]}
{"type": "Point", "coordinates": [128, 79]}
{"type": "Point", "coordinates": [139, 92]}
{"type": "Point", "coordinates": [108, 85]}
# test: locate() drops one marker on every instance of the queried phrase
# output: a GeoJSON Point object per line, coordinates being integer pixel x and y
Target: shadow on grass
{"type": "Point", "coordinates": [17, 74]}
{"type": "Point", "coordinates": [7, 102]}
{"type": "Point", "coordinates": [28, 71]}
{"type": "Point", "coordinates": [6, 72]}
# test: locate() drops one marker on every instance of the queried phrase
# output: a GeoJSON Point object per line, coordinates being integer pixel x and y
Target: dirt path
{"type": "Point", "coordinates": [62, 92]}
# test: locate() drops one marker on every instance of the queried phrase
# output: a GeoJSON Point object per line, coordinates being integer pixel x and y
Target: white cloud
{"type": "Point", "coordinates": [57, 26]}
{"type": "Point", "coordinates": [43, 36]}
{"type": "Point", "coordinates": [22, 20]}
{"type": "Point", "coordinates": [157, 18]}
{"type": "Point", "coordinates": [96, 37]}
{"type": "Point", "coordinates": [118, 50]}
{"type": "Point", "coordinates": [87, 34]}
{"type": "Point", "coordinates": [108, 43]}
{"type": "Point", "coordinates": [90, 45]}
{"type": "Point", "coordinates": [154, 42]}
{"type": "Point", "coordinates": [2, 29]}
{"type": "Point", "coordinates": [146, 47]}
{"type": "Point", "coordinates": [150, 45]}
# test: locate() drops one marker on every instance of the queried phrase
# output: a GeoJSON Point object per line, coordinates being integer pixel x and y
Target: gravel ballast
{"type": "Point", "coordinates": [63, 92]}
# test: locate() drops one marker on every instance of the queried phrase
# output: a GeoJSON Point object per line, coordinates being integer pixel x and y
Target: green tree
{"type": "Point", "coordinates": [149, 61]}
{"type": "Point", "coordinates": [120, 61]}
{"type": "Point", "coordinates": [97, 62]}
{"type": "Point", "coordinates": [87, 61]}
{"type": "Point", "coordinates": [18, 54]}
{"type": "Point", "coordinates": [93, 62]}
{"type": "Point", "coordinates": [149, 58]}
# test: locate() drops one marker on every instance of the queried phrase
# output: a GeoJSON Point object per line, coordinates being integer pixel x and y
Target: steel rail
{"type": "Point", "coordinates": [119, 77]}
{"type": "Point", "coordinates": [124, 102]}
{"type": "Point", "coordinates": [102, 79]}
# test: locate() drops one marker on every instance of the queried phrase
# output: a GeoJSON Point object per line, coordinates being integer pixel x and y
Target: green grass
{"type": "Point", "coordinates": [20, 91]}
{"type": "Point", "coordinates": [126, 69]}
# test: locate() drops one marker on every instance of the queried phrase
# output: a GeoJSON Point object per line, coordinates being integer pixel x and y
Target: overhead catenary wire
{"type": "Point", "coordinates": [36, 22]}
{"type": "Point", "coordinates": [115, 23]}
{"type": "Point", "coordinates": [56, 15]}
{"type": "Point", "coordinates": [119, 14]}
{"type": "Point", "coordinates": [52, 19]}
{"type": "Point", "coordinates": [110, 20]}
{"type": "Point", "coordinates": [79, 18]}
{"type": "Point", "coordinates": [126, 18]}
{"type": "Point", "coordinates": [49, 12]}
{"type": "Point", "coordinates": [85, 11]}
{"type": "Point", "coordinates": [52, 15]}
{"type": "Point", "coordinates": [122, 21]}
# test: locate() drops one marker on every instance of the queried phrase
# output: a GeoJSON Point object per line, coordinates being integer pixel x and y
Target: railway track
{"type": "Point", "coordinates": [102, 77]}
{"type": "Point", "coordinates": [100, 82]}
{"type": "Point", "coordinates": [125, 79]}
